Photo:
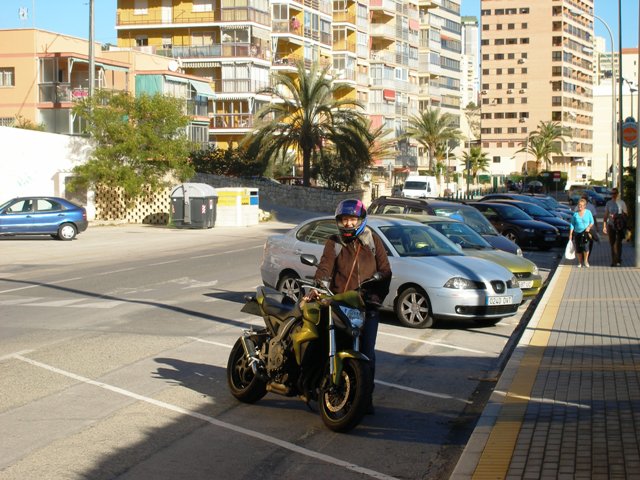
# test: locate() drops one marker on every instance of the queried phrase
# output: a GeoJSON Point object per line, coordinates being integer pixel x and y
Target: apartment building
{"type": "Point", "coordinates": [43, 73]}
{"type": "Point", "coordinates": [371, 47]}
{"type": "Point", "coordinates": [536, 66]}
{"type": "Point", "coordinates": [469, 75]}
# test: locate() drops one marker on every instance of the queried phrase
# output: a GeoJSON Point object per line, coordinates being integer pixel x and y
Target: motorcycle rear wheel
{"type": "Point", "coordinates": [244, 384]}
{"type": "Point", "coordinates": [342, 407]}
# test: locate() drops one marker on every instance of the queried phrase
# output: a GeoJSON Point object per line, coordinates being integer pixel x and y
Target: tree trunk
{"type": "Point", "coordinates": [306, 167]}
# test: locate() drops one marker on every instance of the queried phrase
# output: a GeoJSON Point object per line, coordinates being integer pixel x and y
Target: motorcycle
{"type": "Point", "coordinates": [309, 349]}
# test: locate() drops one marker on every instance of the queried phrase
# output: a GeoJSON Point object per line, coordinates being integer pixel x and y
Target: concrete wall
{"type": "Point", "coordinates": [37, 163]}
{"type": "Point", "coordinates": [291, 196]}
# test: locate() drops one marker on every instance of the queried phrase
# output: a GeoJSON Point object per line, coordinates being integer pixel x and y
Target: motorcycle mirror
{"type": "Point", "coordinates": [309, 259]}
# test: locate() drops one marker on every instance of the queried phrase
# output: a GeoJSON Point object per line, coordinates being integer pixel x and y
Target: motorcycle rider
{"type": "Point", "coordinates": [348, 259]}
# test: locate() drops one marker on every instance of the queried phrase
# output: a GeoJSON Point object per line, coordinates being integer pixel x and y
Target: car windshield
{"type": "Point", "coordinates": [5, 204]}
{"type": "Point", "coordinates": [534, 210]}
{"type": "Point", "coordinates": [512, 213]}
{"type": "Point", "coordinates": [418, 241]}
{"type": "Point", "coordinates": [461, 234]}
{"type": "Point", "coordinates": [415, 185]}
{"type": "Point", "coordinates": [468, 215]}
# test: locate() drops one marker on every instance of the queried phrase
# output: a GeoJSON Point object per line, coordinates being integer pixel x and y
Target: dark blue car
{"type": "Point", "coordinates": [519, 227]}
{"type": "Point", "coordinates": [542, 215]}
{"type": "Point", "coordinates": [53, 216]}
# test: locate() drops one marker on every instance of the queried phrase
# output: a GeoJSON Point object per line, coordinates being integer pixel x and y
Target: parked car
{"type": "Point", "coordinates": [535, 199]}
{"type": "Point", "coordinates": [472, 244]}
{"type": "Point", "coordinates": [516, 225]}
{"type": "Point", "coordinates": [594, 197]}
{"type": "Point", "coordinates": [432, 278]}
{"type": "Point", "coordinates": [542, 215]}
{"type": "Point", "coordinates": [469, 215]}
{"type": "Point", "coordinates": [600, 190]}
{"type": "Point", "coordinates": [53, 216]}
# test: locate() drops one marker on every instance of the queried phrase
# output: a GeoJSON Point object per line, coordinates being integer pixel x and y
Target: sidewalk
{"type": "Point", "coordinates": [568, 402]}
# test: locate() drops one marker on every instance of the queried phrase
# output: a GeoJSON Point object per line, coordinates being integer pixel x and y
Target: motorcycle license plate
{"type": "Point", "coordinates": [355, 316]}
{"type": "Point", "coordinates": [525, 284]}
{"type": "Point", "coordinates": [505, 300]}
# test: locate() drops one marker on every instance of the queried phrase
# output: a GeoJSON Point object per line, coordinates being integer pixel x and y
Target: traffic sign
{"type": "Point", "coordinates": [630, 133]}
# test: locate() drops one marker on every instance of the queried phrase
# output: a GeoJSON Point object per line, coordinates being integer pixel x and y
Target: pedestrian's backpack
{"type": "Point", "coordinates": [619, 222]}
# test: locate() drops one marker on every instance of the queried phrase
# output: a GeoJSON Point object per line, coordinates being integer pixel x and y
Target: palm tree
{"type": "Point", "coordinates": [544, 141]}
{"type": "Point", "coordinates": [475, 161]}
{"type": "Point", "coordinates": [432, 128]}
{"type": "Point", "coordinates": [306, 118]}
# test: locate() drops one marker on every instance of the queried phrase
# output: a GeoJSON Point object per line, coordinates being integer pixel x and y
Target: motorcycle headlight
{"type": "Point", "coordinates": [460, 283]}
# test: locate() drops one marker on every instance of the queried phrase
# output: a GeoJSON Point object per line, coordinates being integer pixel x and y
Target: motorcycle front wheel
{"type": "Point", "coordinates": [343, 406]}
{"type": "Point", "coordinates": [244, 384]}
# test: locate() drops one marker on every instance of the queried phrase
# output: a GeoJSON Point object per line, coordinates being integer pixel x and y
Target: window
{"type": "Point", "coordinates": [142, 41]}
{"type": "Point", "coordinates": [7, 77]}
{"type": "Point", "coordinates": [497, 130]}
{"type": "Point", "coordinates": [512, 130]}
{"type": "Point", "coordinates": [485, 27]}
{"type": "Point", "coordinates": [7, 121]}
{"type": "Point", "coordinates": [496, 159]}
{"type": "Point", "coordinates": [202, 6]}
{"type": "Point", "coordinates": [140, 7]}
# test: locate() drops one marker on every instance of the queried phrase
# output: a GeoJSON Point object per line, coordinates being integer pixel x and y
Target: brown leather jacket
{"type": "Point", "coordinates": [336, 269]}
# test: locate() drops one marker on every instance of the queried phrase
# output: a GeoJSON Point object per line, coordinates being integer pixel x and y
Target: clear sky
{"type": "Point", "coordinates": [72, 17]}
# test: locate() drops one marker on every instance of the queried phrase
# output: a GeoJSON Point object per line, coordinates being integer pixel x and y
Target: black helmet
{"type": "Point", "coordinates": [352, 208]}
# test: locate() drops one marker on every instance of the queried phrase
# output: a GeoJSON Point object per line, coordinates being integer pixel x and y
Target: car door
{"type": "Point", "coordinates": [16, 217]}
{"type": "Point", "coordinates": [47, 216]}
{"type": "Point", "coordinates": [491, 214]}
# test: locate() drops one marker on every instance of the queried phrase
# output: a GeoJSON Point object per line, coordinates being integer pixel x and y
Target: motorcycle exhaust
{"type": "Point", "coordinates": [250, 352]}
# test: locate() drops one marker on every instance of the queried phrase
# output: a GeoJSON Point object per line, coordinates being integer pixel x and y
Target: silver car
{"type": "Point", "coordinates": [432, 278]}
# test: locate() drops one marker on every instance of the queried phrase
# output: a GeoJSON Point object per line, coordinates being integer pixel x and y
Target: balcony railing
{"type": "Point", "coordinates": [231, 120]}
{"type": "Point", "coordinates": [224, 50]}
{"type": "Point", "coordinates": [63, 92]}
{"type": "Point", "coordinates": [239, 85]}
{"type": "Point", "coordinates": [244, 14]}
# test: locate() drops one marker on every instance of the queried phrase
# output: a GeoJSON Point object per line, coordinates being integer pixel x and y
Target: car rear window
{"type": "Point", "coordinates": [317, 232]}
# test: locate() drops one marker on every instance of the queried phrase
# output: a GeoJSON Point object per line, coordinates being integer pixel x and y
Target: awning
{"type": "Point", "coordinates": [414, 25]}
{"type": "Point", "coordinates": [106, 66]}
{"type": "Point", "coordinates": [189, 64]}
{"type": "Point", "coordinates": [202, 88]}
{"type": "Point", "coordinates": [176, 79]}
{"type": "Point", "coordinates": [388, 94]}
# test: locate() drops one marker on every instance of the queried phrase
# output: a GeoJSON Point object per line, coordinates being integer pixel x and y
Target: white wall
{"type": "Point", "coordinates": [37, 163]}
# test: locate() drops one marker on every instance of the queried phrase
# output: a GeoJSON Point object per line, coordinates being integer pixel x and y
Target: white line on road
{"type": "Point", "coordinates": [227, 252]}
{"type": "Point", "coordinates": [163, 263]}
{"type": "Point", "coordinates": [422, 392]}
{"type": "Point", "coordinates": [14, 355]}
{"type": "Point", "coordinates": [380, 382]}
{"type": "Point", "coordinates": [40, 285]}
{"type": "Point", "coordinates": [439, 344]}
{"type": "Point", "coordinates": [213, 421]}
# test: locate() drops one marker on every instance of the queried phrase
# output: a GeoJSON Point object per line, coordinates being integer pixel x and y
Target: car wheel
{"type": "Point", "coordinates": [288, 285]}
{"type": "Point", "coordinates": [511, 235]}
{"type": "Point", "coordinates": [413, 309]}
{"type": "Point", "coordinates": [67, 231]}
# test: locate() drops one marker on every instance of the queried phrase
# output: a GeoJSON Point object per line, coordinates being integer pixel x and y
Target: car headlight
{"type": "Point", "coordinates": [535, 270]}
{"type": "Point", "coordinates": [519, 252]}
{"type": "Point", "coordinates": [460, 283]}
{"type": "Point", "coordinates": [513, 282]}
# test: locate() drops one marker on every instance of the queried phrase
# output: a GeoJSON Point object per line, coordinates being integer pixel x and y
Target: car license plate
{"type": "Point", "coordinates": [508, 300]}
{"type": "Point", "coordinates": [525, 284]}
{"type": "Point", "coordinates": [549, 238]}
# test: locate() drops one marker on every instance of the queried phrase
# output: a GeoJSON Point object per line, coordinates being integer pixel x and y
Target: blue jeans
{"type": "Point", "coordinates": [368, 340]}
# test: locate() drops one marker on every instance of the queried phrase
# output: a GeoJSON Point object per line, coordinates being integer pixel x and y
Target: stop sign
{"type": "Point", "coordinates": [630, 133]}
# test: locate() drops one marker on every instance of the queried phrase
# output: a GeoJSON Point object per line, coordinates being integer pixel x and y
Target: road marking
{"type": "Point", "coordinates": [386, 384]}
{"type": "Point", "coordinates": [12, 356]}
{"type": "Point", "coordinates": [163, 263]}
{"type": "Point", "coordinates": [227, 252]}
{"type": "Point", "coordinates": [542, 400]}
{"type": "Point", "coordinates": [40, 285]}
{"type": "Point", "coordinates": [422, 392]}
{"type": "Point", "coordinates": [439, 344]}
{"type": "Point", "coordinates": [128, 269]}
{"type": "Point", "coordinates": [211, 420]}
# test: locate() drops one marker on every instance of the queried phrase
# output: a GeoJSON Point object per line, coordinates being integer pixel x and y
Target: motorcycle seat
{"type": "Point", "coordinates": [277, 303]}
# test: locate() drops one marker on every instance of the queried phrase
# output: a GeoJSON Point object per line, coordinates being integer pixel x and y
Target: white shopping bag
{"type": "Point", "coordinates": [570, 251]}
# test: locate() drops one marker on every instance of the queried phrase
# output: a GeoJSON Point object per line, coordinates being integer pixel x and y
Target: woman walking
{"type": "Point", "coordinates": [581, 224]}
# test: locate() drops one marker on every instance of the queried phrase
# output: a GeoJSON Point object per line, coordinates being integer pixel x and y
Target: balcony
{"type": "Point", "coordinates": [228, 121]}
{"type": "Point", "coordinates": [237, 85]}
{"type": "Point", "coordinates": [384, 30]}
{"type": "Point", "coordinates": [344, 17]}
{"type": "Point", "coordinates": [244, 14]}
{"type": "Point", "coordinates": [219, 50]}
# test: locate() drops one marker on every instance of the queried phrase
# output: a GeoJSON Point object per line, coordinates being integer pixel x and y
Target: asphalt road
{"type": "Point", "coordinates": [113, 350]}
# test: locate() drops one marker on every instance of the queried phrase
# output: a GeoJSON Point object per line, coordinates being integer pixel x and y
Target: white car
{"type": "Point", "coordinates": [432, 278]}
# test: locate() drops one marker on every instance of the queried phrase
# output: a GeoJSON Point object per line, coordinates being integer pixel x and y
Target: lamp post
{"type": "Point", "coordinates": [614, 130]}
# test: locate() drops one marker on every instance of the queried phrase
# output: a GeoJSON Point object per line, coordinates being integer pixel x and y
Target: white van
{"type": "Point", "coordinates": [420, 186]}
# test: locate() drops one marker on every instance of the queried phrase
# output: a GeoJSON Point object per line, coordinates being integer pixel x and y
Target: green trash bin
{"type": "Point", "coordinates": [194, 205]}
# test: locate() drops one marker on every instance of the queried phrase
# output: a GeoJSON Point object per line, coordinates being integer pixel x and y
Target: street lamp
{"type": "Point", "coordinates": [614, 130]}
